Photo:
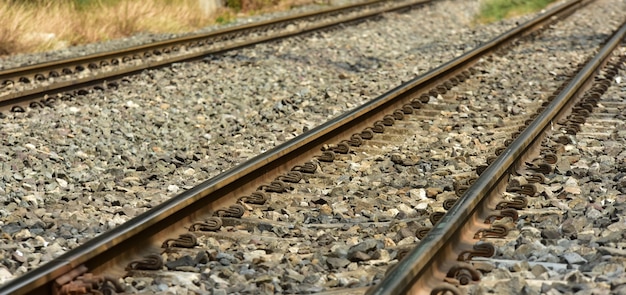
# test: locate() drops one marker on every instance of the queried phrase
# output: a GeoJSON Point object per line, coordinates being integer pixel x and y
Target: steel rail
{"type": "Point", "coordinates": [61, 63]}
{"type": "Point", "coordinates": [408, 271]}
{"type": "Point", "coordinates": [123, 70]}
{"type": "Point", "coordinates": [166, 217]}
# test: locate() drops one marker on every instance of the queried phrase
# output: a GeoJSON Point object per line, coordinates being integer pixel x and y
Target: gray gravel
{"type": "Point", "coordinates": [217, 45]}
{"type": "Point", "coordinates": [343, 226]}
{"type": "Point", "coordinates": [571, 237]}
{"type": "Point", "coordinates": [95, 162]}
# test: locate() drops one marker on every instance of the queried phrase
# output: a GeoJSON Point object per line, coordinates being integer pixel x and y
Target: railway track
{"type": "Point", "coordinates": [574, 195]}
{"type": "Point", "coordinates": [488, 208]}
{"type": "Point", "coordinates": [254, 231]}
{"type": "Point", "coordinates": [40, 85]}
{"type": "Point", "coordinates": [43, 198]}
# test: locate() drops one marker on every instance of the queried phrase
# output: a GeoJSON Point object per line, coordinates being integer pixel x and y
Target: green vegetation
{"type": "Point", "coordinates": [248, 5]}
{"type": "Point", "coordinates": [234, 4]}
{"type": "Point", "coordinates": [225, 18]}
{"type": "Point", "coordinates": [494, 10]}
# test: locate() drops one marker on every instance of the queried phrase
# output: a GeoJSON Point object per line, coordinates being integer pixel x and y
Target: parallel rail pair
{"type": "Point", "coordinates": [415, 272]}
{"type": "Point", "coordinates": [41, 84]}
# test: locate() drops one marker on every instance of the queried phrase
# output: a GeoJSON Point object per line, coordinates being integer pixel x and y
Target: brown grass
{"type": "Point", "coordinates": [11, 29]}
{"type": "Point", "coordinates": [36, 25]}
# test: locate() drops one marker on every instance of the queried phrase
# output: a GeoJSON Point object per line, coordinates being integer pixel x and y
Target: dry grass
{"type": "Point", "coordinates": [12, 29]}
{"type": "Point", "coordinates": [38, 25]}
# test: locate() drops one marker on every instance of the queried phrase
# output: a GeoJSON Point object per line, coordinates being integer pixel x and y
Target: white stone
{"type": "Point", "coordinates": [131, 104]}
{"type": "Point", "coordinates": [55, 249]}
{"type": "Point", "coordinates": [82, 155]}
{"type": "Point", "coordinates": [418, 194]}
{"type": "Point", "coordinates": [185, 279]}
{"type": "Point", "coordinates": [351, 241]}
{"type": "Point", "coordinates": [340, 207]}
{"type": "Point", "coordinates": [421, 206]}
{"type": "Point", "coordinates": [219, 280]}
{"type": "Point", "coordinates": [31, 199]}
{"type": "Point", "coordinates": [406, 209]}
{"type": "Point", "coordinates": [115, 221]}
{"type": "Point", "coordinates": [5, 275]}
{"type": "Point", "coordinates": [172, 188]}
{"type": "Point", "coordinates": [22, 235]}
{"type": "Point", "coordinates": [251, 255]}
{"type": "Point", "coordinates": [393, 212]}
{"type": "Point", "coordinates": [62, 183]}
{"type": "Point", "coordinates": [574, 258]}
{"type": "Point", "coordinates": [406, 241]}
{"type": "Point", "coordinates": [41, 241]}
{"type": "Point", "coordinates": [571, 181]}
{"type": "Point", "coordinates": [571, 186]}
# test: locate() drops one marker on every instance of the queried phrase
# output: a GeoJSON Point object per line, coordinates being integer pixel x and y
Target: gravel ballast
{"type": "Point", "coordinates": [343, 226]}
{"type": "Point", "coordinates": [88, 165]}
{"type": "Point", "coordinates": [570, 239]}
